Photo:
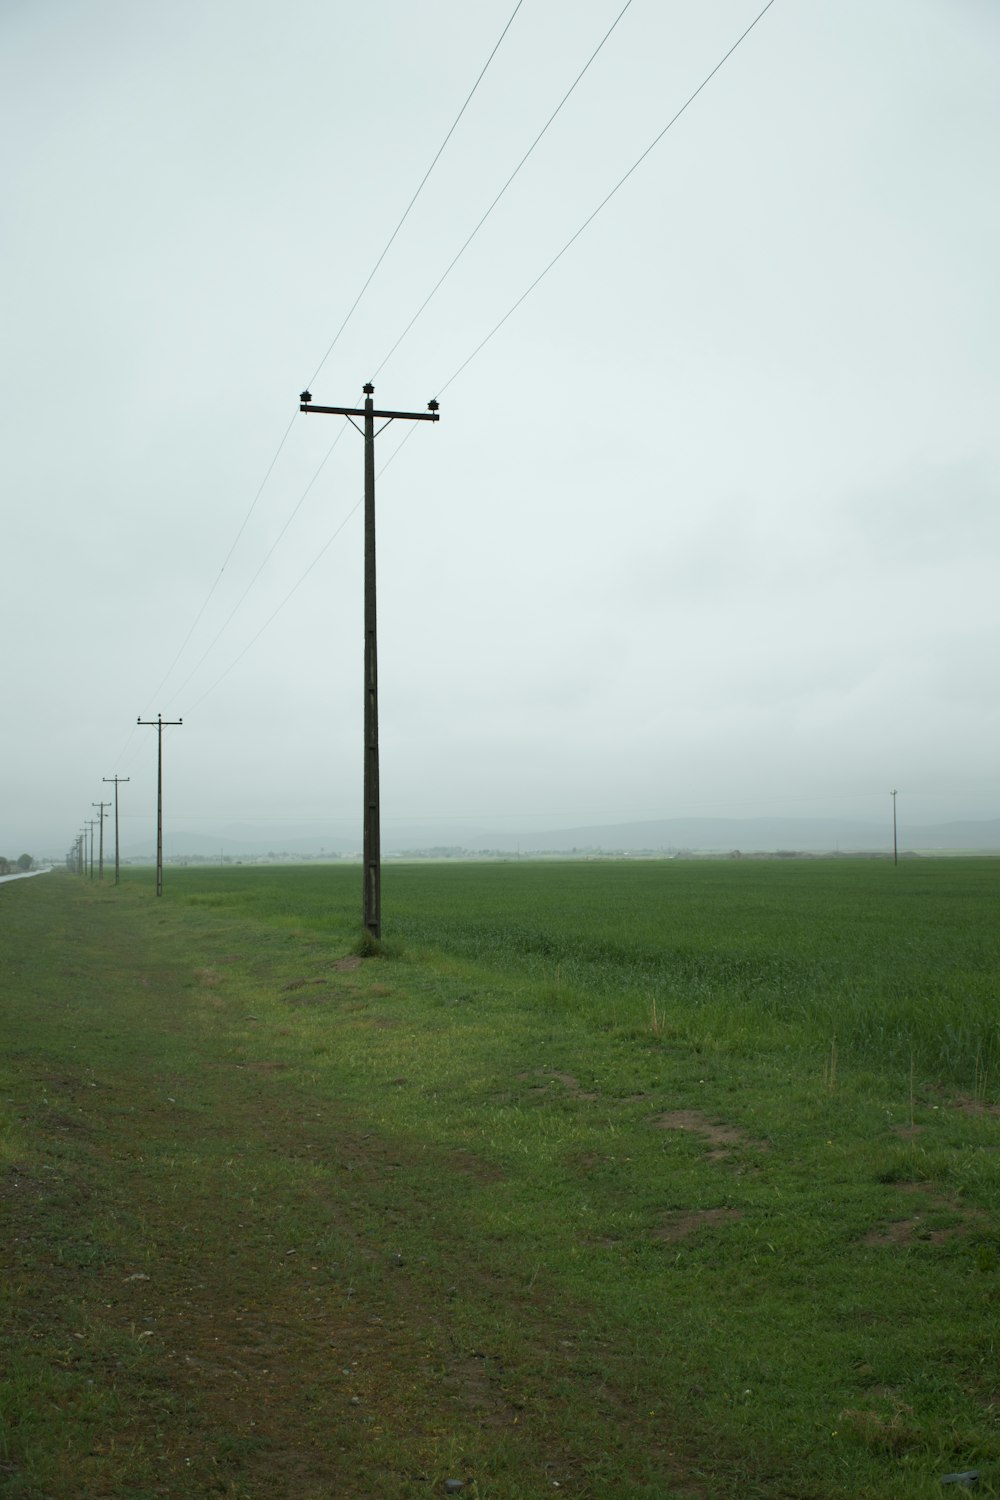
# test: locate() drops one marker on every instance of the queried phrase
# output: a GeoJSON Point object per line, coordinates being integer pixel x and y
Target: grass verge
{"type": "Point", "coordinates": [283, 1221]}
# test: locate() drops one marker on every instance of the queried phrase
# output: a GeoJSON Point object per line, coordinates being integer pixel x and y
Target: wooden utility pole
{"type": "Point", "coordinates": [117, 781]}
{"type": "Point", "coordinates": [371, 903]}
{"type": "Point", "coordinates": [895, 845]}
{"type": "Point", "coordinates": [100, 866]}
{"type": "Point", "coordinates": [159, 724]}
{"type": "Point", "coordinates": [90, 868]}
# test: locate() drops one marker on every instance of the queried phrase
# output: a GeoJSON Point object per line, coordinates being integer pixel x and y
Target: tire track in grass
{"type": "Point", "coordinates": [226, 1284]}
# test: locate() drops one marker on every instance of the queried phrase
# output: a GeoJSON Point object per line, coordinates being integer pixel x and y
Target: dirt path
{"type": "Point", "coordinates": [226, 1283]}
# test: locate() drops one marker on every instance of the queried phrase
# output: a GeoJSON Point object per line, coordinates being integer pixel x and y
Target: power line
{"type": "Point", "coordinates": [416, 315]}
{"type": "Point", "coordinates": [503, 190]}
{"type": "Point", "coordinates": [297, 585]}
{"type": "Point", "coordinates": [319, 367]}
{"type": "Point", "coordinates": [604, 201]}
{"type": "Point", "coordinates": [260, 569]}
{"type": "Point", "coordinates": [522, 298]}
{"type": "Point", "coordinates": [274, 613]}
{"type": "Point", "coordinates": [232, 549]}
{"type": "Point", "coordinates": [312, 380]}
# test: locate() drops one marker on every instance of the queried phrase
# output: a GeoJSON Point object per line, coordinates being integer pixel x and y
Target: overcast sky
{"type": "Point", "coordinates": [709, 526]}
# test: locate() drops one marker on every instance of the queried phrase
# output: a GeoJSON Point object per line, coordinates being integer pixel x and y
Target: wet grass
{"type": "Point", "coordinates": [897, 964]}
{"type": "Point", "coordinates": [287, 1222]}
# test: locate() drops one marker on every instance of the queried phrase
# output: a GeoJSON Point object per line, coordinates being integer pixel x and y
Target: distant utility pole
{"type": "Point", "coordinates": [895, 845]}
{"type": "Point", "coordinates": [159, 724]}
{"type": "Point", "coordinates": [90, 824]}
{"type": "Point", "coordinates": [371, 905]}
{"type": "Point", "coordinates": [100, 867]}
{"type": "Point", "coordinates": [79, 850]}
{"type": "Point", "coordinates": [117, 781]}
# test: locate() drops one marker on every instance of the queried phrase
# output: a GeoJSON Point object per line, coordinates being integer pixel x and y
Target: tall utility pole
{"type": "Point", "coordinates": [90, 824]}
{"type": "Point", "coordinates": [371, 903]}
{"type": "Point", "coordinates": [100, 867]}
{"type": "Point", "coordinates": [117, 780]}
{"type": "Point", "coordinates": [895, 845]}
{"type": "Point", "coordinates": [158, 724]}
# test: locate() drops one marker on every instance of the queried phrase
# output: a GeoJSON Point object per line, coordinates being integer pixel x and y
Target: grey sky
{"type": "Point", "coordinates": [710, 526]}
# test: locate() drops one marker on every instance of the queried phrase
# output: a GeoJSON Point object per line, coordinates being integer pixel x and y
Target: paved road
{"type": "Point", "coordinates": [22, 875]}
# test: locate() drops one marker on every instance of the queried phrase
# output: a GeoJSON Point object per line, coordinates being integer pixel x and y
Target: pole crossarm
{"type": "Point", "coordinates": [359, 411]}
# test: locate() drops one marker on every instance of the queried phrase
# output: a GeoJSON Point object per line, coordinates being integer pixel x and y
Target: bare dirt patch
{"type": "Point", "coordinates": [966, 1104]}
{"type": "Point", "coordinates": [569, 1083]}
{"type": "Point", "coordinates": [360, 1022]}
{"type": "Point", "coordinates": [329, 996]}
{"type": "Point", "coordinates": [64, 1081]}
{"type": "Point", "coordinates": [345, 965]}
{"type": "Point", "coordinates": [587, 1163]}
{"type": "Point", "coordinates": [65, 1122]}
{"type": "Point", "coordinates": [470, 1386]}
{"type": "Point", "coordinates": [897, 1233]}
{"type": "Point", "coordinates": [716, 1134]}
{"type": "Point", "coordinates": [892, 1431]}
{"type": "Point", "coordinates": [681, 1223]}
{"type": "Point", "coordinates": [468, 1164]}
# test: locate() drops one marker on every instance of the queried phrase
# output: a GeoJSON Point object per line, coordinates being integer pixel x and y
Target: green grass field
{"type": "Point", "coordinates": [668, 1179]}
{"type": "Point", "coordinates": [898, 964]}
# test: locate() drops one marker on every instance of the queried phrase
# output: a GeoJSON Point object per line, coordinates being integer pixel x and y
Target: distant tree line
{"type": "Point", "coordinates": [23, 863]}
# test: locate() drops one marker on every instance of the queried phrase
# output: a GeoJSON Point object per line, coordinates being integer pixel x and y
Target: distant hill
{"type": "Point", "coordinates": [750, 835]}
{"type": "Point", "coordinates": [666, 836]}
